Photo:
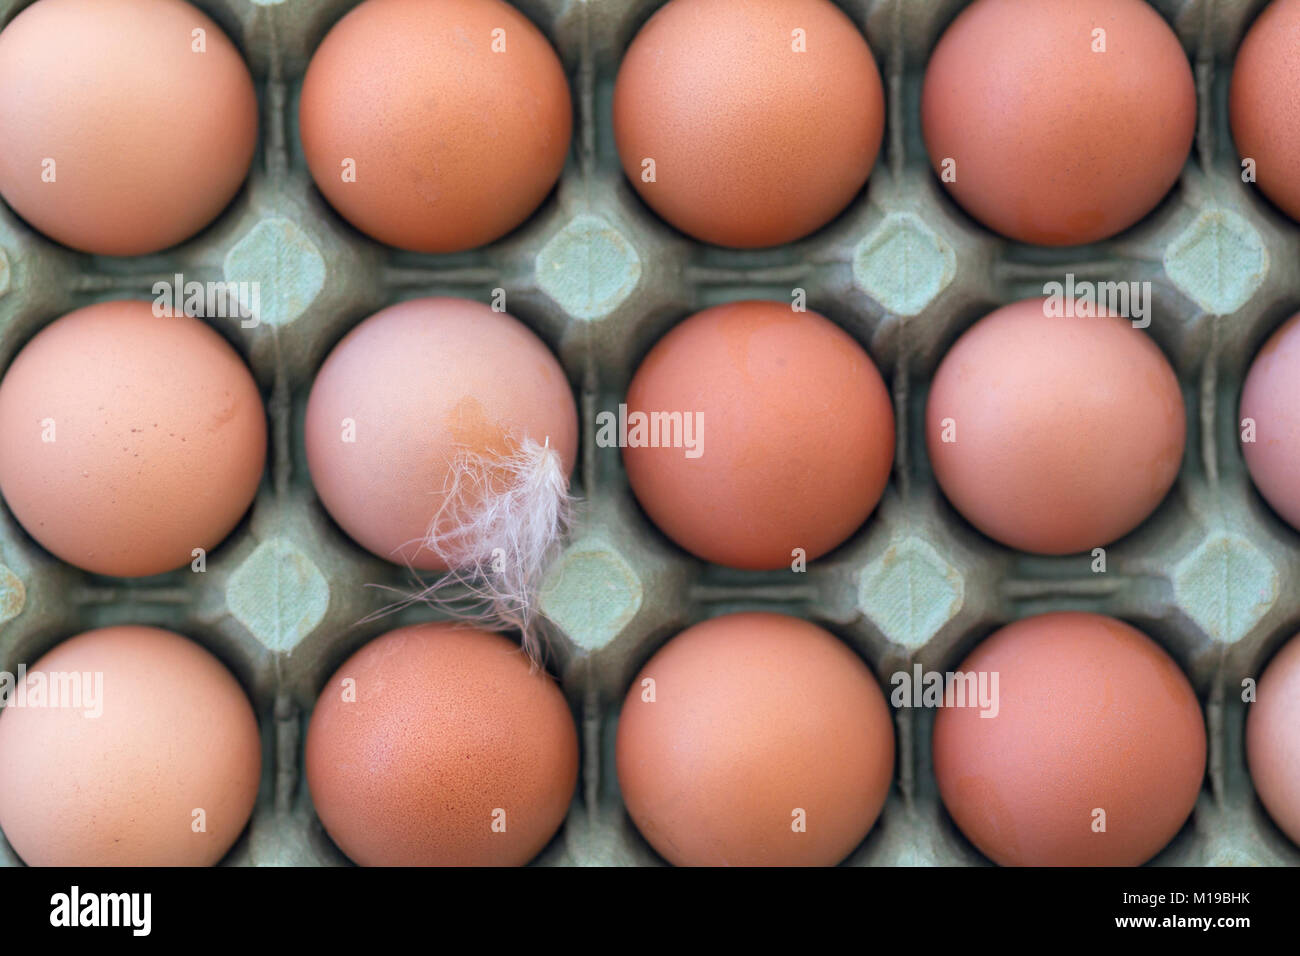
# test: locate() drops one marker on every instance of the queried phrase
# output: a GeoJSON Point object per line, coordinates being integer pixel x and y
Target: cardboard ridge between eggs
{"type": "Point", "coordinates": [1213, 575]}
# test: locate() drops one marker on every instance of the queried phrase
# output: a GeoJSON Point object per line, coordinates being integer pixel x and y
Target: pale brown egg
{"type": "Point", "coordinates": [129, 440]}
{"type": "Point", "coordinates": [1273, 739]}
{"type": "Point", "coordinates": [408, 391]}
{"type": "Point", "coordinates": [1094, 755]}
{"type": "Point", "coordinates": [748, 123]}
{"type": "Point", "coordinates": [440, 745]}
{"type": "Point", "coordinates": [435, 127]}
{"type": "Point", "coordinates": [127, 125]}
{"type": "Point", "coordinates": [1264, 103]}
{"type": "Point", "coordinates": [1270, 413]}
{"type": "Point", "coordinates": [1054, 434]}
{"type": "Point", "coordinates": [754, 740]}
{"type": "Point", "coordinates": [1058, 122]}
{"type": "Point", "coordinates": [782, 442]}
{"type": "Point", "coordinates": [142, 751]}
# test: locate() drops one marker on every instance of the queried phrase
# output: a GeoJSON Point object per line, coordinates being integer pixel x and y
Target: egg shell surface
{"type": "Point", "coordinates": [1058, 122]}
{"type": "Point", "coordinates": [792, 441]}
{"type": "Point", "coordinates": [1095, 725]}
{"type": "Point", "coordinates": [1054, 434]}
{"type": "Point", "coordinates": [158, 766]}
{"type": "Point", "coordinates": [754, 739]}
{"type": "Point", "coordinates": [128, 125]}
{"type": "Point", "coordinates": [451, 751]}
{"type": "Point", "coordinates": [435, 127]}
{"type": "Point", "coordinates": [404, 392]}
{"type": "Point", "coordinates": [128, 440]}
{"type": "Point", "coordinates": [762, 118]}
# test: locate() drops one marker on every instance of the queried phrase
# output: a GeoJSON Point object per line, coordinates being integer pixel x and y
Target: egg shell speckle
{"type": "Point", "coordinates": [457, 131]}
{"type": "Point", "coordinates": [127, 439]}
{"type": "Point", "coordinates": [176, 734]}
{"type": "Point", "coordinates": [449, 725]}
{"type": "Point", "coordinates": [755, 142]}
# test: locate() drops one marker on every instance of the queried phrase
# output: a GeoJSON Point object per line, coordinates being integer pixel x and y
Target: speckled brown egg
{"type": "Point", "coordinates": [754, 740]}
{"type": "Point", "coordinates": [440, 745]}
{"type": "Point", "coordinates": [748, 123]}
{"type": "Point", "coordinates": [156, 762]}
{"type": "Point", "coordinates": [1094, 755]}
{"type": "Point", "coordinates": [1054, 434]}
{"type": "Point", "coordinates": [1058, 122]}
{"type": "Point", "coordinates": [403, 392]}
{"type": "Point", "coordinates": [1273, 739]}
{"type": "Point", "coordinates": [1264, 103]}
{"type": "Point", "coordinates": [128, 440]}
{"type": "Point", "coordinates": [791, 438]}
{"type": "Point", "coordinates": [435, 127]}
{"type": "Point", "coordinates": [127, 125]}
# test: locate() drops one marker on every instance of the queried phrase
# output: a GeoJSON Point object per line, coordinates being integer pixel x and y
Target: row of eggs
{"type": "Point", "coordinates": [744, 123]}
{"type": "Point", "coordinates": [130, 440]}
{"type": "Point", "coordinates": [748, 739]}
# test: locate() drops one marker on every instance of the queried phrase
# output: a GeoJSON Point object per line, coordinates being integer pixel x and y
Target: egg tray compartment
{"type": "Point", "coordinates": [1213, 575]}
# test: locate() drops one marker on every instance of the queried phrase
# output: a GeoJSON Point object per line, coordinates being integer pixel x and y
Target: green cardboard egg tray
{"type": "Point", "coordinates": [1213, 575]}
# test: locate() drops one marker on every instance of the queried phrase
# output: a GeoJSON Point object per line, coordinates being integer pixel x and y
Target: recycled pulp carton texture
{"type": "Point", "coordinates": [1212, 575]}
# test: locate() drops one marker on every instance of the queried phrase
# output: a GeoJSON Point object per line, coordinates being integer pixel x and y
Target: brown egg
{"type": "Point", "coordinates": [1273, 739]}
{"type": "Point", "coordinates": [128, 125]}
{"type": "Point", "coordinates": [439, 745]}
{"type": "Point", "coordinates": [143, 751]}
{"type": "Point", "coordinates": [792, 441]}
{"type": "Point", "coordinates": [1058, 122]}
{"type": "Point", "coordinates": [762, 118]}
{"type": "Point", "coordinates": [1264, 103]}
{"type": "Point", "coordinates": [1270, 403]}
{"type": "Point", "coordinates": [755, 740]}
{"type": "Point", "coordinates": [1054, 434]}
{"type": "Point", "coordinates": [403, 392]}
{"type": "Point", "coordinates": [127, 440]}
{"type": "Point", "coordinates": [435, 127]}
{"type": "Point", "coordinates": [1095, 753]}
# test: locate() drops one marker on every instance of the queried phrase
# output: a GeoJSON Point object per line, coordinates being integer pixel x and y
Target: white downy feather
{"type": "Point", "coordinates": [501, 522]}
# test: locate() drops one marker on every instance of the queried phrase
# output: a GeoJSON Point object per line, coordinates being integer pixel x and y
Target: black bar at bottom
{"type": "Point", "coordinates": [617, 906]}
